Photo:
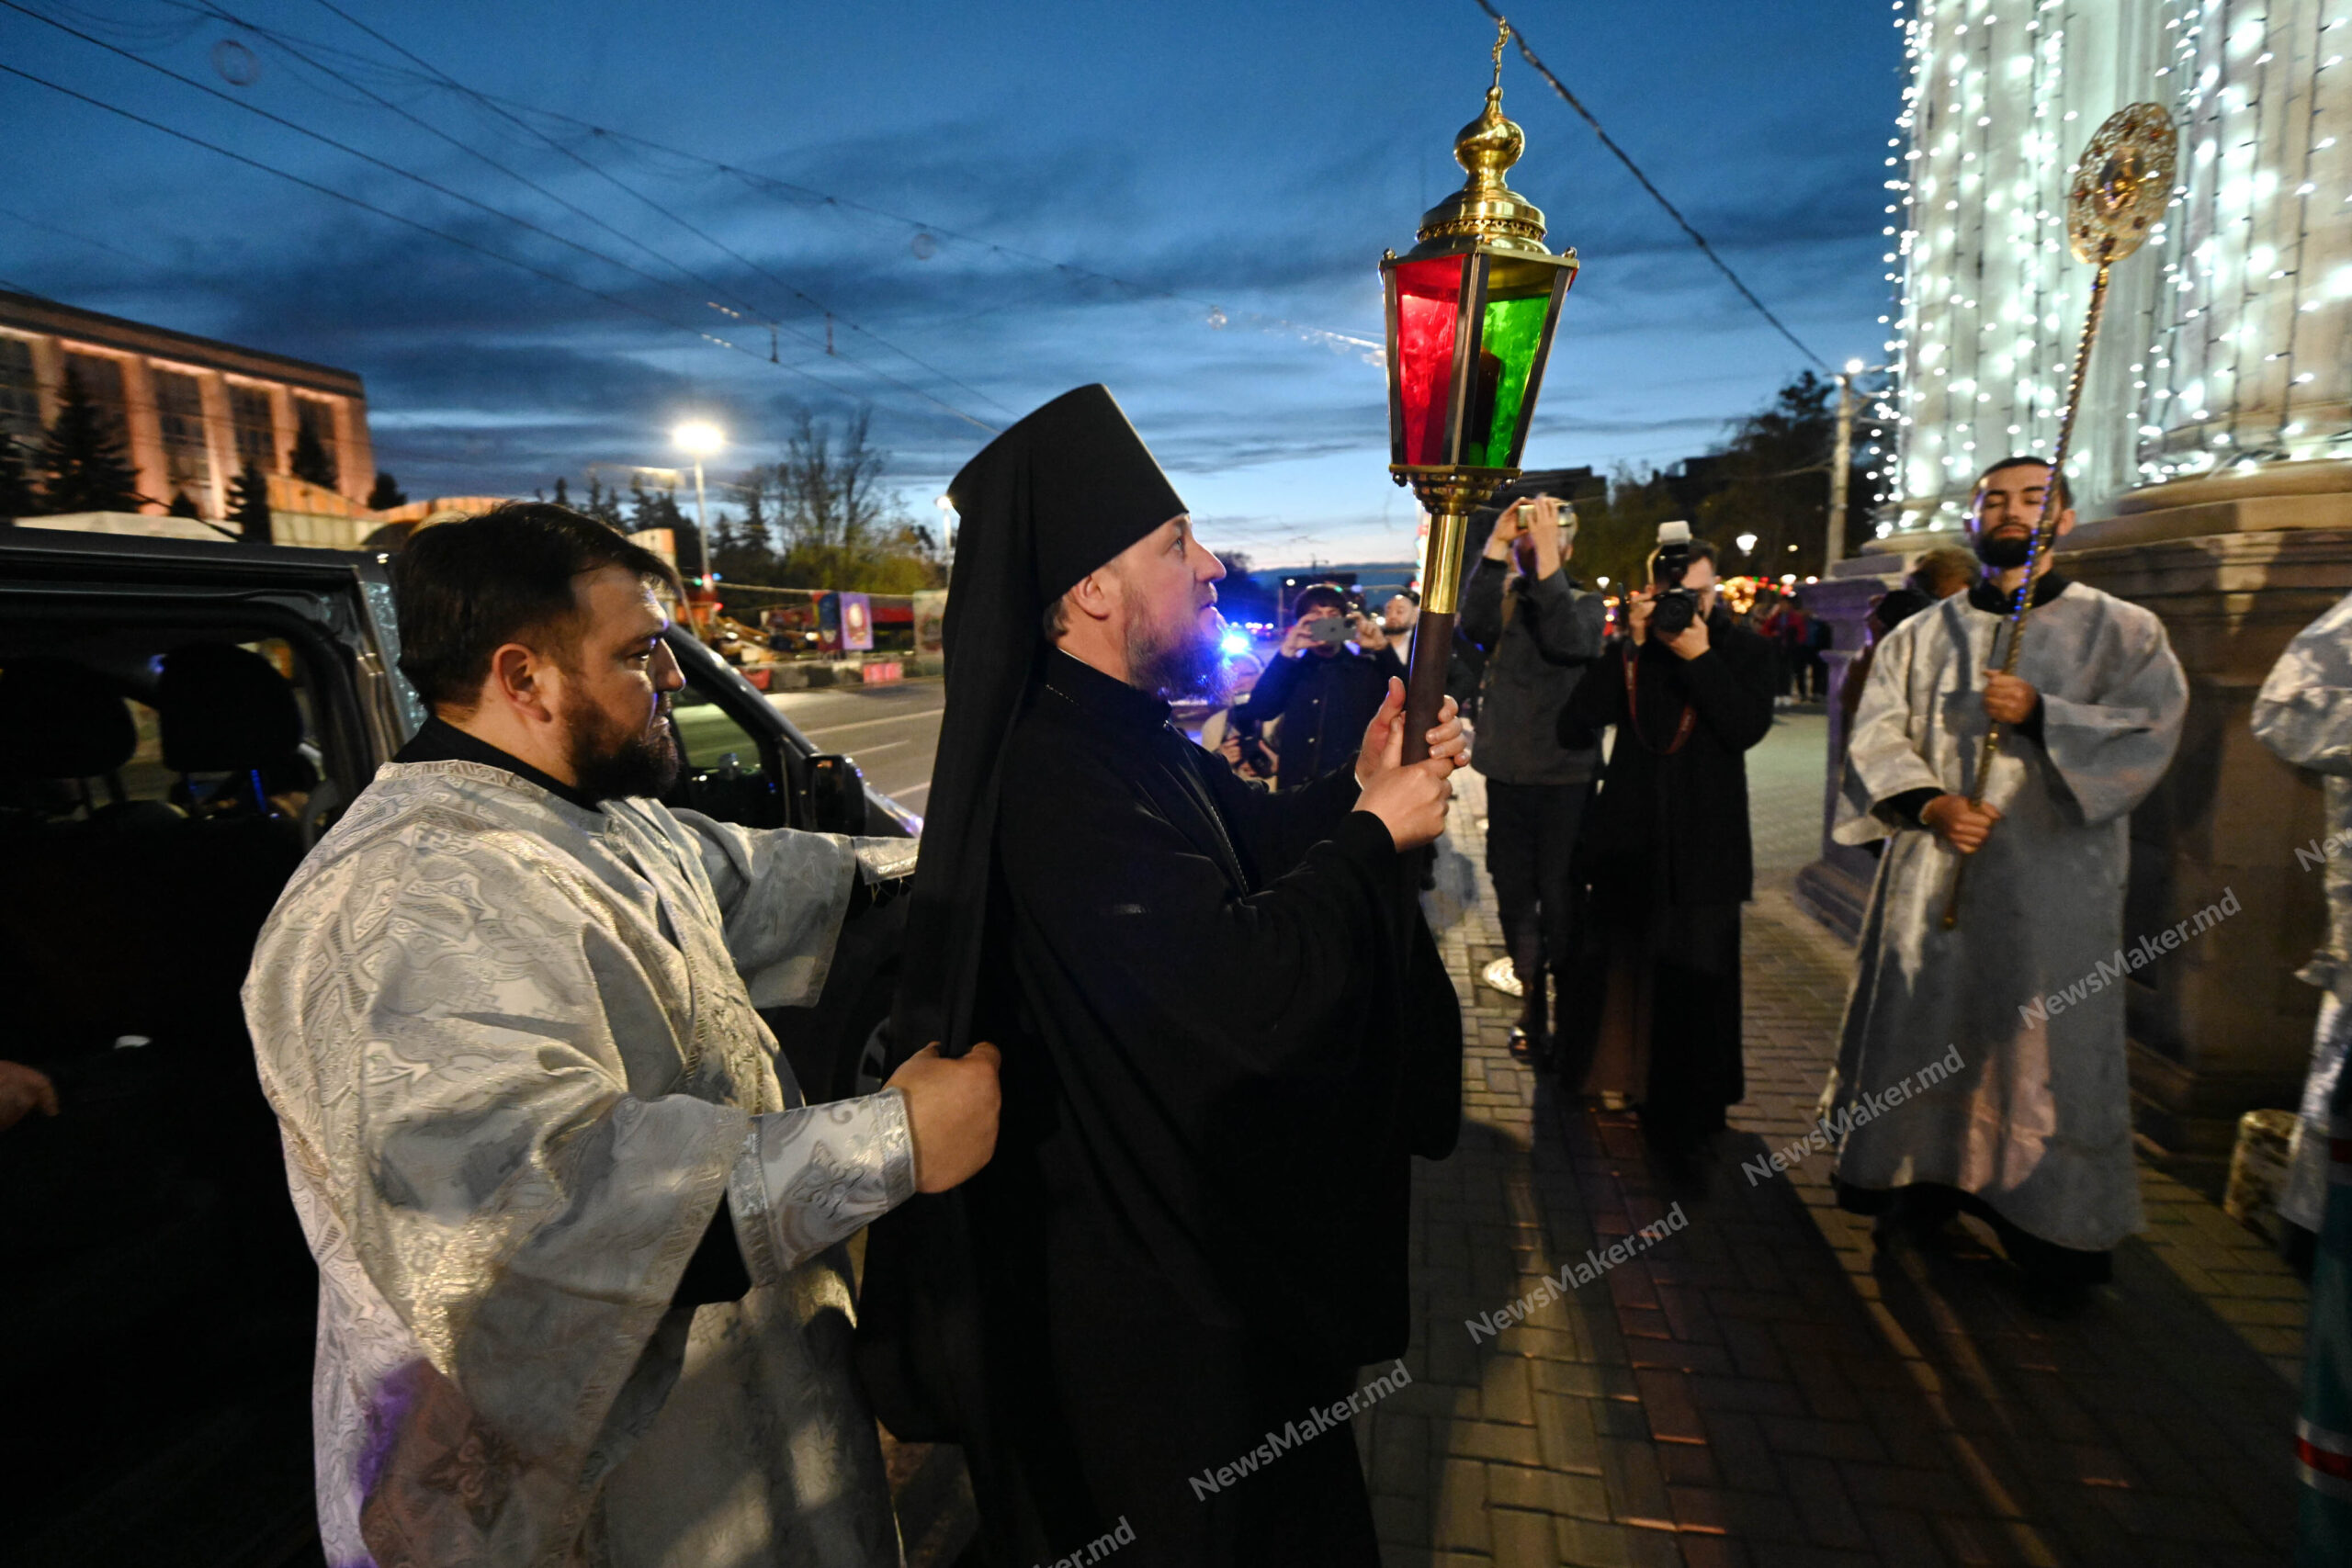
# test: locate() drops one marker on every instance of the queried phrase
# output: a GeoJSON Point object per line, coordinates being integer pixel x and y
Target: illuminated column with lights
{"type": "Point", "coordinates": [2247, 362]}
{"type": "Point", "coordinates": [2003, 93]}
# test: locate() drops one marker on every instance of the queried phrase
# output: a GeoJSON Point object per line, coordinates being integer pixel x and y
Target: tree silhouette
{"type": "Point", "coordinates": [602, 504]}
{"type": "Point", "coordinates": [82, 464]}
{"type": "Point", "coordinates": [387, 493]}
{"type": "Point", "coordinates": [838, 525]}
{"type": "Point", "coordinates": [249, 505]}
{"type": "Point", "coordinates": [17, 496]}
{"type": "Point", "coordinates": [309, 459]}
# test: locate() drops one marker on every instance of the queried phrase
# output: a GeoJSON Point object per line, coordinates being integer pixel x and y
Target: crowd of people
{"type": "Point", "coordinates": [1170, 1026]}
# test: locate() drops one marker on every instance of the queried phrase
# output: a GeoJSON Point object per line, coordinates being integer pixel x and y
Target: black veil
{"type": "Point", "coordinates": [1045, 504]}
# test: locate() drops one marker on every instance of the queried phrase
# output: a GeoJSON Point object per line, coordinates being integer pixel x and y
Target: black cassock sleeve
{"type": "Point", "coordinates": [1153, 930]}
{"type": "Point", "coordinates": [1276, 829]}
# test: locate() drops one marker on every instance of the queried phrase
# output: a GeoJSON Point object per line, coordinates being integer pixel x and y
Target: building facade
{"type": "Point", "coordinates": [193, 412]}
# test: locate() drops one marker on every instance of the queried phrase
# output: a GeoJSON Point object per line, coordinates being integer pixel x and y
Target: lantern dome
{"type": "Point", "coordinates": [1485, 210]}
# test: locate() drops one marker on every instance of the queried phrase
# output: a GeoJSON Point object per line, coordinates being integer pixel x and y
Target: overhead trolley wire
{"type": "Point", "coordinates": [710, 285]}
{"type": "Point", "coordinates": [793, 289]}
{"type": "Point", "coordinates": [1657, 196]}
{"type": "Point", "coordinates": [1370, 349]}
{"type": "Point", "coordinates": [558, 278]}
{"type": "Point", "coordinates": [443, 190]}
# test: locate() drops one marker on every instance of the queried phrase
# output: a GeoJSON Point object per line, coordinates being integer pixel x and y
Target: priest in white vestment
{"type": "Point", "coordinates": [2305, 714]}
{"type": "Point", "coordinates": [2032, 1129]}
{"type": "Point", "coordinates": [582, 1298]}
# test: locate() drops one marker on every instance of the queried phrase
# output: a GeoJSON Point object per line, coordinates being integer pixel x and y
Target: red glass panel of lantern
{"type": "Point", "coordinates": [1428, 307]}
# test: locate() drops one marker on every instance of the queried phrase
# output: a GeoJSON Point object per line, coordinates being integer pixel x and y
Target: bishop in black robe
{"type": "Point", "coordinates": [1226, 1032]}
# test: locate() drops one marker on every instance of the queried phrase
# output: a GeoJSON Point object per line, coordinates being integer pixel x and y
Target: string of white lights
{"type": "Point", "coordinates": [2242, 319]}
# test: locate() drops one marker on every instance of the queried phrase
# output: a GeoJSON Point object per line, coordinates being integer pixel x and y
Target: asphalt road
{"type": "Point", "coordinates": [890, 731]}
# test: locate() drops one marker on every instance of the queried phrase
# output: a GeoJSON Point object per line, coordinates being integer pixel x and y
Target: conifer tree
{"type": "Point", "coordinates": [387, 493]}
{"type": "Point", "coordinates": [81, 463]}
{"type": "Point", "coordinates": [18, 498]}
{"type": "Point", "coordinates": [602, 504]}
{"type": "Point", "coordinates": [309, 461]}
{"type": "Point", "coordinates": [249, 505]}
{"type": "Point", "coordinates": [181, 506]}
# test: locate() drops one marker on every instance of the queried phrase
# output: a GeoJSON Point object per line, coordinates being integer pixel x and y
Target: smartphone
{"type": "Point", "coordinates": [1329, 630]}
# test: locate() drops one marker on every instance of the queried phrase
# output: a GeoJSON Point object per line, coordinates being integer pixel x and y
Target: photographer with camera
{"type": "Point", "coordinates": [1540, 632]}
{"type": "Point", "coordinates": [1666, 848]}
{"type": "Point", "coordinates": [1324, 684]}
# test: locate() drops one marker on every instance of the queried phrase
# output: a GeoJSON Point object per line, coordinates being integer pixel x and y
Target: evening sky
{"type": "Point", "coordinates": [1250, 158]}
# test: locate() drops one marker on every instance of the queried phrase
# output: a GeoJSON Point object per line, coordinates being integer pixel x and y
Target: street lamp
{"type": "Point", "coordinates": [699, 439]}
{"type": "Point", "coordinates": [1471, 313]}
{"type": "Point", "coordinates": [1746, 543]}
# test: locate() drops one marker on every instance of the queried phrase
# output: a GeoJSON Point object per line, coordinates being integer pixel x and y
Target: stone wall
{"type": "Point", "coordinates": [2222, 1026]}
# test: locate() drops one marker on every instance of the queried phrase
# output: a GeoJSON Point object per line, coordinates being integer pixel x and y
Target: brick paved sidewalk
{"type": "Point", "coordinates": [1761, 1388]}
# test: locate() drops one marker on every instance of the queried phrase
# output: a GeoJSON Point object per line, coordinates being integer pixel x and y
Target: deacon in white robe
{"type": "Point", "coordinates": [2305, 714]}
{"type": "Point", "coordinates": [2034, 1128]}
{"type": "Point", "coordinates": [531, 1115]}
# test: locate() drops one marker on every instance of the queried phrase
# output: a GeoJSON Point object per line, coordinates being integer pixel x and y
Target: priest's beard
{"type": "Point", "coordinates": [611, 757]}
{"type": "Point", "coordinates": [1178, 663]}
{"type": "Point", "coordinates": [2002, 551]}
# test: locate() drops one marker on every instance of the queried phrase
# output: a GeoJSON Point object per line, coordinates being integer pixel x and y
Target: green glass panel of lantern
{"type": "Point", "coordinates": [1513, 328]}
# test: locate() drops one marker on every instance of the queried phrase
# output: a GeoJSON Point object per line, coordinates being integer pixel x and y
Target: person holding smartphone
{"type": "Point", "coordinates": [1324, 684]}
{"type": "Point", "coordinates": [1538, 630]}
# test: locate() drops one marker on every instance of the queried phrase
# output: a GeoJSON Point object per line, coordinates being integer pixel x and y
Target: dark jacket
{"type": "Point", "coordinates": [1324, 702]}
{"type": "Point", "coordinates": [1678, 814]}
{"type": "Point", "coordinates": [1535, 657]}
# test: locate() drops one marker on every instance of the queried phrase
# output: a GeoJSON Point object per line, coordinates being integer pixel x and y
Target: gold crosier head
{"type": "Point", "coordinates": [2122, 184]}
{"type": "Point", "coordinates": [1486, 211]}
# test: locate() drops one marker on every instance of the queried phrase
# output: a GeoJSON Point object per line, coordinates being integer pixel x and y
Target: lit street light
{"type": "Point", "coordinates": [699, 439]}
{"type": "Point", "coordinates": [1746, 543]}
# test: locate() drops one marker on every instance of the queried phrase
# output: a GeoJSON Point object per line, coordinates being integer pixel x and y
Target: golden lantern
{"type": "Point", "coordinates": [1471, 313]}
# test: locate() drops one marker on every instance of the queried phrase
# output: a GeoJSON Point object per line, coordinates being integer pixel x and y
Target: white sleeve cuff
{"type": "Point", "coordinates": [814, 1175]}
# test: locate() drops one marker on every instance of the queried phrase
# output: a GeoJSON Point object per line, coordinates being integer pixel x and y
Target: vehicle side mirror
{"type": "Point", "coordinates": [836, 795]}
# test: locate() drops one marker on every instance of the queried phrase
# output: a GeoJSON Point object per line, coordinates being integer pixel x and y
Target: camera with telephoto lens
{"type": "Point", "coordinates": [1675, 606]}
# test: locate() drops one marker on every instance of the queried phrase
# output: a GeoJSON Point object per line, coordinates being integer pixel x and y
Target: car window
{"type": "Point", "coordinates": [231, 695]}
{"type": "Point", "coordinates": [728, 773]}
{"type": "Point", "coordinates": [708, 734]}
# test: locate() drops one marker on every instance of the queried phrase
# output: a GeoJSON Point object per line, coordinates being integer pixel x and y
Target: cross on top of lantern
{"type": "Point", "coordinates": [1471, 312]}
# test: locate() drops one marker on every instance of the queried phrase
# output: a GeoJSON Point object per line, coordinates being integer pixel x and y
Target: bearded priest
{"type": "Point", "coordinates": [583, 1295]}
{"type": "Point", "coordinates": [1226, 1032]}
{"type": "Point", "coordinates": [2033, 1131]}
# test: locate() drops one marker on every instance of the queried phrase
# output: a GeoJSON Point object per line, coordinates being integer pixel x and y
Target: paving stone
{"type": "Point", "coordinates": [1520, 1536]}
{"type": "Point", "coordinates": [1547, 1491]}
{"type": "Point", "coordinates": [1589, 1543]}
{"type": "Point", "coordinates": [1459, 1518]}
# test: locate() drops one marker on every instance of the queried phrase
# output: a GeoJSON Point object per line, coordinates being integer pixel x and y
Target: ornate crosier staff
{"type": "Point", "coordinates": [2122, 187]}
